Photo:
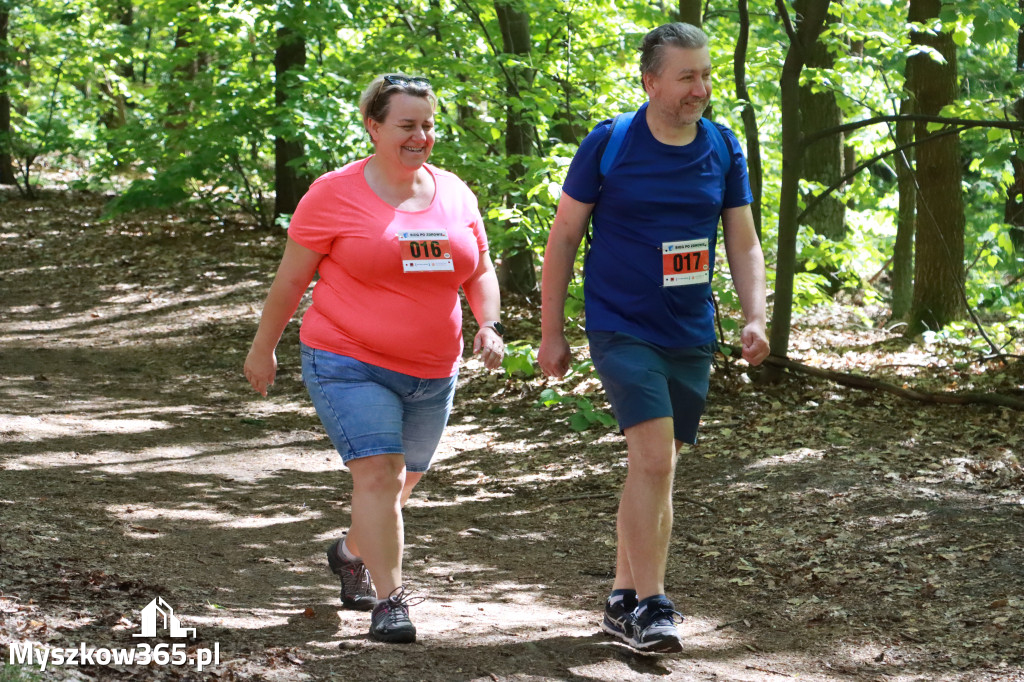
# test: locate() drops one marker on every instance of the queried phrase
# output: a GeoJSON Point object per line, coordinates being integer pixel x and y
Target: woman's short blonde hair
{"type": "Point", "coordinates": [376, 98]}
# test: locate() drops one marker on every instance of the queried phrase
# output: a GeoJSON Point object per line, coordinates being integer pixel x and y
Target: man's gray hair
{"type": "Point", "coordinates": [686, 36]}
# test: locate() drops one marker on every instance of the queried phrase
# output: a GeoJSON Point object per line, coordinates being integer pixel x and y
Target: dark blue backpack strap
{"type": "Point", "coordinates": [620, 126]}
{"type": "Point", "coordinates": [721, 148]}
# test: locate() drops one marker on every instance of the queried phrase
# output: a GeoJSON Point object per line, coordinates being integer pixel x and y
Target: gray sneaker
{"type": "Point", "coordinates": [357, 591]}
{"type": "Point", "coordinates": [655, 629]}
{"type": "Point", "coordinates": [390, 622]}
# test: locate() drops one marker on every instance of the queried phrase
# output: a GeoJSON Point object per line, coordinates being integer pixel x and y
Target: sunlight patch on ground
{"type": "Point", "coordinates": [263, 522]}
{"type": "Point", "coordinates": [245, 462]}
{"type": "Point", "coordinates": [135, 514]}
{"type": "Point", "coordinates": [119, 317]}
{"type": "Point", "coordinates": [447, 568]}
{"type": "Point", "coordinates": [253, 619]}
{"type": "Point", "coordinates": [241, 462]}
{"type": "Point", "coordinates": [53, 426]}
{"type": "Point", "coordinates": [479, 496]}
{"type": "Point", "coordinates": [791, 457]}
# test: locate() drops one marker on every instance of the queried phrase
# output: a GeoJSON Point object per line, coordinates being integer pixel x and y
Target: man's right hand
{"type": "Point", "coordinates": [554, 356]}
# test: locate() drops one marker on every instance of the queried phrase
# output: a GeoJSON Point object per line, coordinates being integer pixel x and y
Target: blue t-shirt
{"type": "Point", "coordinates": [655, 195]}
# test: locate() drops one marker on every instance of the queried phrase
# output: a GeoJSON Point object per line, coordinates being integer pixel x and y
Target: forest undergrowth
{"type": "Point", "coordinates": [821, 532]}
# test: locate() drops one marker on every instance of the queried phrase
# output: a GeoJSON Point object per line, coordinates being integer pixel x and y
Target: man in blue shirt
{"type": "Point", "coordinates": [647, 290]}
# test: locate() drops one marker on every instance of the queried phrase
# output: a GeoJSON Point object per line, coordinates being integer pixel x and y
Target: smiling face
{"type": "Point", "coordinates": [406, 136]}
{"type": "Point", "coordinates": [681, 89]}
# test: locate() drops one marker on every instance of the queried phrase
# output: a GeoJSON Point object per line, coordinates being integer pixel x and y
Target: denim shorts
{"type": "Point", "coordinates": [368, 410]}
{"type": "Point", "coordinates": [643, 381]}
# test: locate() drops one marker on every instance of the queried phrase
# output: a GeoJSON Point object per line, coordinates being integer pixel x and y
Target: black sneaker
{"type": "Point", "coordinates": [390, 622]}
{"type": "Point", "coordinates": [357, 591]}
{"type": "Point", "coordinates": [619, 621]}
{"type": "Point", "coordinates": [655, 629]}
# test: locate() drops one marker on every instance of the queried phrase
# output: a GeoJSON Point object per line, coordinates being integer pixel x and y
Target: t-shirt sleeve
{"type": "Point", "coordinates": [315, 221]}
{"type": "Point", "coordinates": [583, 181]}
{"type": "Point", "coordinates": [737, 183]}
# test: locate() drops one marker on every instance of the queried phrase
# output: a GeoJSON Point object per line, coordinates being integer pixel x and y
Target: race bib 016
{"type": "Point", "coordinates": [426, 251]}
{"type": "Point", "coordinates": [685, 262]}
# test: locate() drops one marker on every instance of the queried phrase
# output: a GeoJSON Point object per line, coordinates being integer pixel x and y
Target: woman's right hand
{"type": "Point", "coordinates": [260, 369]}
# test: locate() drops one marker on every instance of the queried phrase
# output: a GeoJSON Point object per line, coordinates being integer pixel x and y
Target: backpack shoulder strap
{"type": "Point", "coordinates": [720, 147]}
{"type": "Point", "coordinates": [718, 142]}
{"type": "Point", "coordinates": [620, 126]}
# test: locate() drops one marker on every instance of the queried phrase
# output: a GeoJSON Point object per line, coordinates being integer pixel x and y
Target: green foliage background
{"type": "Point", "coordinates": [178, 106]}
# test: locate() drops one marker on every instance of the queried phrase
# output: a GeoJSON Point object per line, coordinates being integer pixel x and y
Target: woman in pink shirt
{"type": "Point", "coordinates": [393, 239]}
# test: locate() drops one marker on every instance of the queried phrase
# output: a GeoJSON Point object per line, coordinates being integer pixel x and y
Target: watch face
{"type": "Point", "coordinates": [498, 327]}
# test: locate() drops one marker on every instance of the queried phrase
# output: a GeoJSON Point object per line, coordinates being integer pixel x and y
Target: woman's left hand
{"type": "Point", "coordinates": [490, 346]}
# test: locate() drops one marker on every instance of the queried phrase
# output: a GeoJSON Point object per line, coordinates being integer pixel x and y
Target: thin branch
{"type": "Point", "coordinates": [870, 162]}
{"type": "Point", "coordinates": [787, 22]}
{"type": "Point", "coordinates": [863, 123]}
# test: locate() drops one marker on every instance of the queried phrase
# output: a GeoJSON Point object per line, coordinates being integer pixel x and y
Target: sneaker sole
{"type": "Point", "coordinates": [400, 637]}
{"type": "Point", "coordinates": [669, 645]}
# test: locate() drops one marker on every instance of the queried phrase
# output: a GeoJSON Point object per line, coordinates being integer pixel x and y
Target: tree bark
{"type": "Point", "coordinates": [903, 251]}
{"type": "Point", "coordinates": [517, 272]}
{"type": "Point", "coordinates": [823, 160]}
{"type": "Point", "coordinates": [7, 176]}
{"type": "Point", "coordinates": [939, 275]}
{"type": "Point", "coordinates": [749, 116]}
{"type": "Point", "coordinates": [116, 115]}
{"type": "Point", "coordinates": [290, 184]}
{"type": "Point", "coordinates": [801, 41]}
{"type": "Point", "coordinates": [691, 12]}
{"type": "Point", "coordinates": [1014, 208]}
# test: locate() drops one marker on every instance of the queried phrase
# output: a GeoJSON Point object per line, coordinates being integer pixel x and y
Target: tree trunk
{"type": "Point", "coordinates": [517, 272]}
{"type": "Point", "coordinates": [903, 251]}
{"type": "Point", "coordinates": [185, 71]}
{"type": "Point", "coordinates": [691, 12]}
{"type": "Point", "coordinates": [804, 38]}
{"type": "Point", "coordinates": [1014, 209]}
{"type": "Point", "coordinates": [939, 296]}
{"type": "Point", "coordinates": [116, 114]}
{"type": "Point", "coordinates": [748, 114]}
{"type": "Point", "coordinates": [289, 181]}
{"type": "Point", "coordinates": [823, 160]}
{"type": "Point", "coordinates": [7, 176]}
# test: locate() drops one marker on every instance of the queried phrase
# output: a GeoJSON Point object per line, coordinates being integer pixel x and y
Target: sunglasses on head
{"type": "Point", "coordinates": [406, 80]}
{"type": "Point", "coordinates": [399, 80]}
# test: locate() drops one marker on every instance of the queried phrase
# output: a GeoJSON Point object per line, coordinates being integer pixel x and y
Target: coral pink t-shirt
{"type": "Point", "coordinates": [388, 292]}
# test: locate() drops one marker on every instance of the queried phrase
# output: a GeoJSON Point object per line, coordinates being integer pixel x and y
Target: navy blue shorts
{"type": "Point", "coordinates": [643, 381]}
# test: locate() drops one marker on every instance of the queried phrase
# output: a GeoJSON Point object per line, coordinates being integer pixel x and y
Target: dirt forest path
{"type": "Point", "coordinates": [820, 533]}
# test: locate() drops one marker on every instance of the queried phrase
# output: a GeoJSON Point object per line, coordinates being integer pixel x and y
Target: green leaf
{"type": "Point", "coordinates": [579, 422]}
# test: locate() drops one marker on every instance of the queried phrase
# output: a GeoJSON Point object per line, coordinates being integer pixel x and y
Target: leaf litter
{"type": "Point", "coordinates": [821, 532]}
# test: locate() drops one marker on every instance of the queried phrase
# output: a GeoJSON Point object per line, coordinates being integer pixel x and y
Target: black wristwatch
{"type": "Point", "coordinates": [497, 327]}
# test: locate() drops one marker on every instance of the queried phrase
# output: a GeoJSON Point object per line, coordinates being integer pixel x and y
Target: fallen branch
{"type": "Point", "coordinates": [869, 384]}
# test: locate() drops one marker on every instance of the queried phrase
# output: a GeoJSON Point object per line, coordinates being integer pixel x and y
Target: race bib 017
{"type": "Point", "coordinates": [426, 251]}
{"type": "Point", "coordinates": [685, 262]}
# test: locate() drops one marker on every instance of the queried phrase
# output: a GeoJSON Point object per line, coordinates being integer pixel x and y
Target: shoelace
{"type": "Point", "coordinates": [398, 603]}
{"type": "Point", "coordinates": [662, 613]}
